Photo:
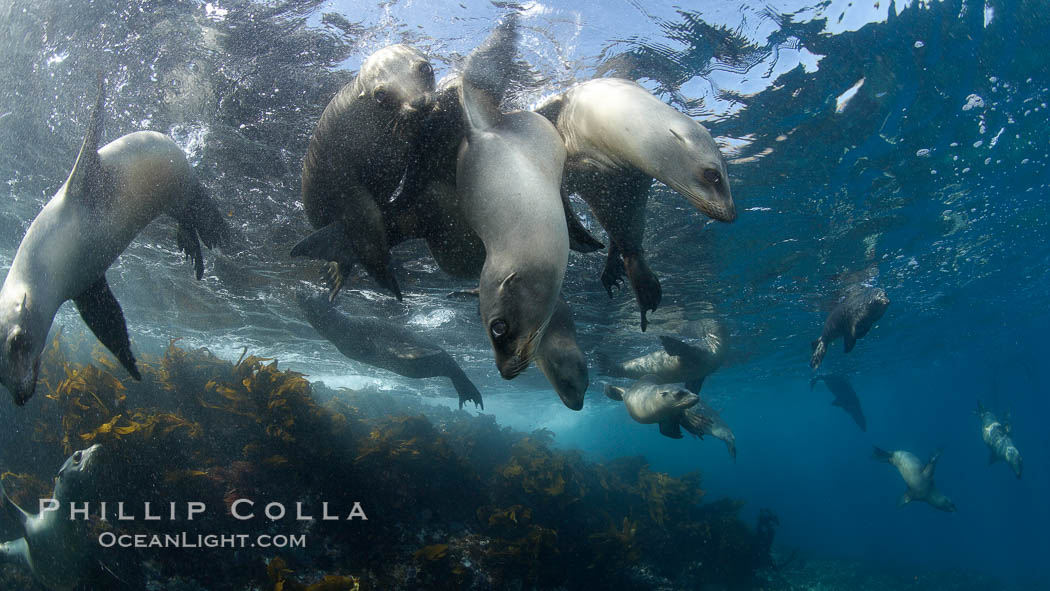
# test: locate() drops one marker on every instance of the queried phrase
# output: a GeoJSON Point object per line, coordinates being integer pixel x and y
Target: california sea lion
{"type": "Point", "coordinates": [387, 346]}
{"type": "Point", "coordinates": [680, 361]}
{"type": "Point", "coordinates": [996, 436]}
{"type": "Point", "coordinates": [560, 358]}
{"type": "Point", "coordinates": [111, 194]}
{"type": "Point", "coordinates": [851, 318]}
{"type": "Point", "coordinates": [619, 137]}
{"type": "Point", "coordinates": [648, 402]}
{"type": "Point", "coordinates": [358, 156]}
{"type": "Point", "coordinates": [918, 477]}
{"type": "Point", "coordinates": [54, 546]}
{"type": "Point", "coordinates": [508, 177]}
{"type": "Point", "coordinates": [845, 396]}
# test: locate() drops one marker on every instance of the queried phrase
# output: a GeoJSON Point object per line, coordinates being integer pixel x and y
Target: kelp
{"type": "Point", "coordinates": [281, 577]}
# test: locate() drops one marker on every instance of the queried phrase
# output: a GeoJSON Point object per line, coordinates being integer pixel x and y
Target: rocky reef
{"type": "Point", "coordinates": [452, 500]}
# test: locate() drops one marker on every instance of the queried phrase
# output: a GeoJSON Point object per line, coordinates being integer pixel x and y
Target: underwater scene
{"type": "Point", "coordinates": [333, 295]}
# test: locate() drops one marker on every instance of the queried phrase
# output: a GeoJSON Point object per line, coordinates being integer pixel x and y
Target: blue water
{"type": "Point", "coordinates": [930, 181]}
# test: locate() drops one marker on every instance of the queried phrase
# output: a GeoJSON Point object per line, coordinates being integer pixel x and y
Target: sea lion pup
{"type": "Point", "coordinates": [560, 359]}
{"type": "Point", "coordinates": [111, 194]}
{"type": "Point", "coordinates": [851, 318]}
{"type": "Point", "coordinates": [918, 477]}
{"type": "Point", "coordinates": [845, 396]}
{"type": "Point", "coordinates": [508, 177]}
{"type": "Point", "coordinates": [648, 402]}
{"type": "Point", "coordinates": [679, 361]}
{"type": "Point", "coordinates": [357, 157]}
{"type": "Point", "coordinates": [387, 346]}
{"type": "Point", "coordinates": [55, 547]}
{"type": "Point", "coordinates": [703, 420]}
{"type": "Point", "coordinates": [996, 436]}
{"type": "Point", "coordinates": [619, 137]}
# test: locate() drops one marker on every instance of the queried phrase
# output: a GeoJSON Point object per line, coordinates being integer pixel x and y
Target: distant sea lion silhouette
{"type": "Point", "coordinates": [845, 396]}
{"type": "Point", "coordinates": [680, 361]}
{"type": "Point", "coordinates": [649, 402]}
{"type": "Point", "coordinates": [110, 196]}
{"type": "Point", "coordinates": [851, 319]}
{"type": "Point", "coordinates": [356, 159]}
{"type": "Point", "coordinates": [619, 137]}
{"type": "Point", "coordinates": [918, 477]}
{"type": "Point", "coordinates": [996, 436]}
{"type": "Point", "coordinates": [387, 346]}
{"type": "Point", "coordinates": [54, 546]}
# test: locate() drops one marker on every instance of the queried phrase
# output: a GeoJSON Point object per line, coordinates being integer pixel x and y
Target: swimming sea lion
{"type": "Point", "coordinates": [508, 177]}
{"type": "Point", "coordinates": [647, 402]}
{"type": "Point", "coordinates": [918, 477]}
{"type": "Point", "coordinates": [679, 361]}
{"type": "Point", "coordinates": [703, 420]}
{"type": "Point", "coordinates": [54, 546]}
{"type": "Point", "coordinates": [996, 436]}
{"type": "Point", "coordinates": [619, 137]}
{"type": "Point", "coordinates": [560, 358]}
{"type": "Point", "coordinates": [845, 397]}
{"type": "Point", "coordinates": [111, 194]}
{"type": "Point", "coordinates": [851, 318]}
{"type": "Point", "coordinates": [358, 156]}
{"type": "Point", "coordinates": [387, 346]}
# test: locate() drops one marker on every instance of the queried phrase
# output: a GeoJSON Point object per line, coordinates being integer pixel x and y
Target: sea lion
{"type": "Point", "coordinates": [619, 137]}
{"type": "Point", "coordinates": [851, 318]}
{"type": "Point", "coordinates": [357, 157]}
{"type": "Point", "coordinates": [508, 177]}
{"type": "Point", "coordinates": [560, 359]}
{"type": "Point", "coordinates": [111, 194]}
{"type": "Point", "coordinates": [647, 402]}
{"type": "Point", "coordinates": [918, 477]}
{"type": "Point", "coordinates": [54, 546]}
{"type": "Point", "coordinates": [708, 421]}
{"type": "Point", "coordinates": [679, 361]}
{"type": "Point", "coordinates": [996, 436]}
{"type": "Point", "coordinates": [387, 346]}
{"type": "Point", "coordinates": [845, 397]}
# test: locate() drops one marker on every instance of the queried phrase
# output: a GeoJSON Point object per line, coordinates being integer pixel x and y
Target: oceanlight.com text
{"type": "Point", "coordinates": [190, 541]}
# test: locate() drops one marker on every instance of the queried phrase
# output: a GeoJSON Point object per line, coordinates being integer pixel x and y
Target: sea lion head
{"type": "Point", "coordinates": [399, 79]}
{"type": "Point", "coordinates": [693, 165]}
{"type": "Point", "coordinates": [673, 401]}
{"type": "Point", "coordinates": [515, 310]}
{"type": "Point", "coordinates": [874, 307]}
{"type": "Point", "coordinates": [19, 352]}
{"type": "Point", "coordinates": [76, 476]}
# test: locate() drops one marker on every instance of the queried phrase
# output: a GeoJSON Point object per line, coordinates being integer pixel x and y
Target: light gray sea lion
{"type": "Point", "coordinates": [996, 436]}
{"type": "Point", "coordinates": [387, 346]}
{"type": "Point", "coordinates": [918, 477]}
{"type": "Point", "coordinates": [357, 158]}
{"type": "Point", "coordinates": [560, 359]}
{"type": "Point", "coordinates": [845, 397]}
{"type": "Point", "coordinates": [851, 318]}
{"type": "Point", "coordinates": [649, 402]}
{"type": "Point", "coordinates": [54, 546]}
{"type": "Point", "coordinates": [679, 361]}
{"type": "Point", "coordinates": [619, 137]}
{"type": "Point", "coordinates": [508, 177]}
{"type": "Point", "coordinates": [708, 421]}
{"type": "Point", "coordinates": [111, 194]}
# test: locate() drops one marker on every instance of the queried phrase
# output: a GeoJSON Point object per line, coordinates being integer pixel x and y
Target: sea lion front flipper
{"type": "Point", "coordinates": [200, 221]}
{"type": "Point", "coordinates": [927, 470]}
{"type": "Point", "coordinates": [676, 347]}
{"type": "Point", "coordinates": [671, 428]}
{"type": "Point", "coordinates": [849, 342]}
{"type": "Point", "coordinates": [696, 423]}
{"type": "Point", "coordinates": [904, 499]}
{"type": "Point", "coordinates": [102, 314]}
{"type": "Point", "coordinates": [614, 392]}
{"type": "Point", "coordinates": [694, 385]}
{"type": "Point", "coordinates": [17, 513]}
{"type": "Point", "coordinates": [86, 179]}
{"type": "Point", "coordinates": [327, 244]}
{"type": "Point", "coordinates": [580, 239]}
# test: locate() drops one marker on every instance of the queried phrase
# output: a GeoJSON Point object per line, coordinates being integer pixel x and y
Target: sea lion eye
{"type": "Point", "coordinates": [498, 328]}
{"type": "Point", "coordinates": [76, 457]}
{"type": "Point", "coordinates": [712, 176]}
{"type": "Point", "coordinates": [379, 95]}
{"type": "Point", "coordinates": [425, 69]}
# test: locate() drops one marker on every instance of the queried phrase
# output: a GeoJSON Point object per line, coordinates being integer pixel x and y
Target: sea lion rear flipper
{"type": "Point", "coordinates": [819, 348]}
{"type": "Point", "coordinates": [696, 423]}
{"type": "Point", "coordinates": [694, 385]}
{"type": "Point", "coordinates": [646, 285]}
{"type": "Point", "coordinates": [580, 239]}
{"type": "Point", "coordinates": [488, 72]}
{"type": "Point", "coordinates": [614, 392]}
{"type": "Point", "coordinates": [17, 513]}
{"type": "Point", "coordinates": [86, 179]}
{"type": "Point", "coordinates": [849, 342]}
{"type": "Point", "coordinates": [836, 402]}
{"type": "Point", "coordinates": [671, 428]}
{"type": "Point", "coordinates": [904, 499]}
{"type": "Point", "coordinates": [200, 221]}
{"type": "Point", "coordinates": [102, 314]}
{"type": "Point", "coordinates": [613, 274]}
{"type": "Point", "coordinates": [466, 389]}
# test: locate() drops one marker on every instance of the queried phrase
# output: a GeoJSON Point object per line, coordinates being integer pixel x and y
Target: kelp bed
{"type": "Point", "coordinates": [453, 500]}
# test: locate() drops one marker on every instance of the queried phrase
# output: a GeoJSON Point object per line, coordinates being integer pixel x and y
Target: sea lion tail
{"type": "Point", "coordinates": [466, 389]}
{"type": "Point", "coordinates": [696, 423]}
{"type": "Point", "coordinates": [200, 221]}
{"type": "Point", "coordinates": [819, 348]}
{"type": "Point", "coordinates": [881, 454]}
